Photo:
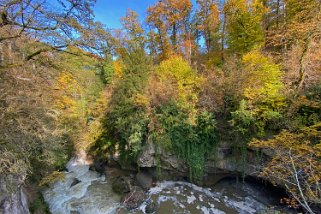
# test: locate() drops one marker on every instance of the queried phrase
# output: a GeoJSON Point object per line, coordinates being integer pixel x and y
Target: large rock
{"type": "Point", "coordinates": [134, 199]}
{"type": "Point", "coordinates": [147, 157]}
{"type": "Point", "coordinates": [168, 159]}
{"type": "Point", "coordinates": [221, 163]}
{"type": "Point", "coordinates": [225, 161]}
{"type": "Point", "coordinates": [171, 167]}
{"type": "Point", "coordinates": [15, 203]}
{"type": "Point", "coordinates": [74, 182]}
{"type": "Point", "coordinates": [144, 179]}
{"type": "Point", "coordinates": [13, 197]}
{"type": "Point", "coordinates": [122, 184]}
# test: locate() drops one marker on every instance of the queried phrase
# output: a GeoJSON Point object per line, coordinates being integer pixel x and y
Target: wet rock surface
{"type": "Point", "coordinates": [13, 197]}
{"type": "Point", "coordinates": [134, 198]}
{"type": "Point", "coordinates": [222, 162]}
{"type": "Point", "coordinates": [183, 197]}
{"type": "Point", "coordinates": [14, 203]}
{"type": "Point", "coordinates": [144, 179]}
{"type": "Point", "coordinates": [147, 157]}
{"type": "Point", "coordinates": [75, 182]}
{"type": "Point", "coordinates": [122, 184]}
{"type": "Point", "coordinates": [93, 194]}
{"type": "Point", "coordinates": [97, 193]}
{"type": "Point", "coordinates": [151, 207]}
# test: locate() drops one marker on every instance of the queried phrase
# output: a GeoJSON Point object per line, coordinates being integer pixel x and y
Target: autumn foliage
{"type": "Point", "coordinates": [243, 73]}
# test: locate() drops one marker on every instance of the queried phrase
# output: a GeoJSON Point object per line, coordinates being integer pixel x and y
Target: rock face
{"type": "Point", "coordinates": [147, 157]}
{"type": "Point", "coordinates": [122, 184]}
{"type": "Point", "coordinates": [14, 203]}
{"type": "Point", "coordinates": [224, 160]}
{"type": "Point", "coordinates": [168, 160]}
{"type": "Point", "coordinates": [144, 179]}
{"type": "Point", "coordinates": [221, 163]}
{"type": "Point", "coordinates": [75, 182]}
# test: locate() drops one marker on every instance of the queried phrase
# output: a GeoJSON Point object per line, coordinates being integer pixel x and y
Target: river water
{"type": "Point", "coordinates": [83, 191]}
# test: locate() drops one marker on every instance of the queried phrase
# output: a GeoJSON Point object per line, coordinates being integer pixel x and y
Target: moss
{"type": "Point", "coordinates": [53, 177]}
{"type": "Point", "coordinates": [38, 205]}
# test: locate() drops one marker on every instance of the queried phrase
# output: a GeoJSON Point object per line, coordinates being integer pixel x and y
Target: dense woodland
{"type": "Point", "coordinates": [189, 77]}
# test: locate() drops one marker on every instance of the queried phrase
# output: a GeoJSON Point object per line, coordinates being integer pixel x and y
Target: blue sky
{"type": "Point", "coordinates": [109, 12]}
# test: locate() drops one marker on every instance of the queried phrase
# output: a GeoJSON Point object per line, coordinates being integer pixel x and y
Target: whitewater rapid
{"type": "Point", "coordinates": [81, 191]}
{"type": "Point", "coordinates": [84, 191]}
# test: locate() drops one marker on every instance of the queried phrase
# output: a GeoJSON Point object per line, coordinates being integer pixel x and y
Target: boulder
{"type": "Point", "coordinates": [147, 156]}
{"type": "Point", "coordinates": [15, 203]}
{"type": "Point", "coordinates": [74, 182]}
{"type": "Point", "coordinates": [144, 179]}
{"type": "Point", "coordinates": [122, 184]}
{"type": "Point", "coordinates": [134, 199]}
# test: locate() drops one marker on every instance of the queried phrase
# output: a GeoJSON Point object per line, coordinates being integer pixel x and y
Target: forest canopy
{"type": "Point", "coordinates": [187, 79]}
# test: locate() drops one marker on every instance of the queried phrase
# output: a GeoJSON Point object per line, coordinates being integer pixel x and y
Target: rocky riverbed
{"type": "Point", "coordinates": [84, 191]}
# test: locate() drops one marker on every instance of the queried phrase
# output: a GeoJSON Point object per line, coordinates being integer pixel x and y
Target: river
{"type": "Point", "coordinates": [83, 191]}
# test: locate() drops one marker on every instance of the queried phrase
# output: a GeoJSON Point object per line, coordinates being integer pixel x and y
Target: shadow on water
{"type": "Point", "coordinates": [231, 195]}
{"type": "Point", "coordinates": [261, 190]}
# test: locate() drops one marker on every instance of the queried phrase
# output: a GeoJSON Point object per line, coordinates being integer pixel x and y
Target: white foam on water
{"type": "Point", "coordinates": [191, 199]}
{"type": "Point", "coordinates": [92, 194]}
{"type": "Point", "coordinates": [247, 206]}
{"type": "Point", "coordinates": [198, 195]}
{"type": "Point", "coordinates": [206, 210]}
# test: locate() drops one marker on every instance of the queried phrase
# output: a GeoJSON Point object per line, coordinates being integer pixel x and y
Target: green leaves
{"type": "Point", "coordinates": [263, 100]}
{"type": "Point", "coordinates": [244, 24]}
{"type": "Point", "coordinates": [243, 118]}
{"type": "Point", "coordinates": [190, 141]}
{"type": "Point", "coordinates": [126, 121]}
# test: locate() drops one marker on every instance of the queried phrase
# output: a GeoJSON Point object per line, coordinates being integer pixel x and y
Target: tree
{"type": "Point", "coordinates": [157, 19]}
{"type": "Point", "coordinates": [51, 26]}
{"type": "Point", "coordinates": [244, 24]}
{"type": "Point", "coordinates": [208, 20]}
{"type": "Point", "coordinates": [175, 122]}
{"type": "Point", "coordinates": [261, 84]}
{"type": "Point", "coordinates": [134, 29]}
{"type": "Point", "coordinates": [177, 72]}
{"type": "Point", "coordinates": [170, 18]}
{"type": "Point", "coordinates": [125, 124]}
{"type": "Point", "coordinates": [296, 164]}
{"type": "Point", "coordinates": [302, 35]}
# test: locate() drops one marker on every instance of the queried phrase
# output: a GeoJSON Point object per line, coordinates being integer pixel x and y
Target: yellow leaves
{"type": "Point", "coordinates": [118, 68]}
{"type": "Point", "coordinates": [261, 79]}
{"type": "Point", "coordinates": [214, 16]}
{"type": "Point", "coordinates": [232, 6]}
{"type": "Point", "coordinates": [68, 83]}
{"type": "Point", "coordinates": [182, 76]}
{"type": "Point", "coordinates": [169, 17]}
{"type": "Point", "coordinates": [291, 202]}
{"type": "Point", "coordinates": [208, 14]}
{"type": "Point", "coordinates": [51, 178]}
{"type": "Point", "coordinates": [141, 100]}
{"type": "Point", "coordinates": [68, 90]}
{"type": "Point", "coordinates": [244, 24]}
{"type": "Point", "coordinates": [295, 161]}
{"type": "Point", "coordinates": [179, 70]}
{"type": "Point", "coordinates": [178, 82]}
{"type": "Point", "coordinates": [317, 149]}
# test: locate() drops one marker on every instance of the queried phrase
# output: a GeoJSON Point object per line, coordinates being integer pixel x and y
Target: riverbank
{"type": "Point", "coordinates": [114, 190]}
